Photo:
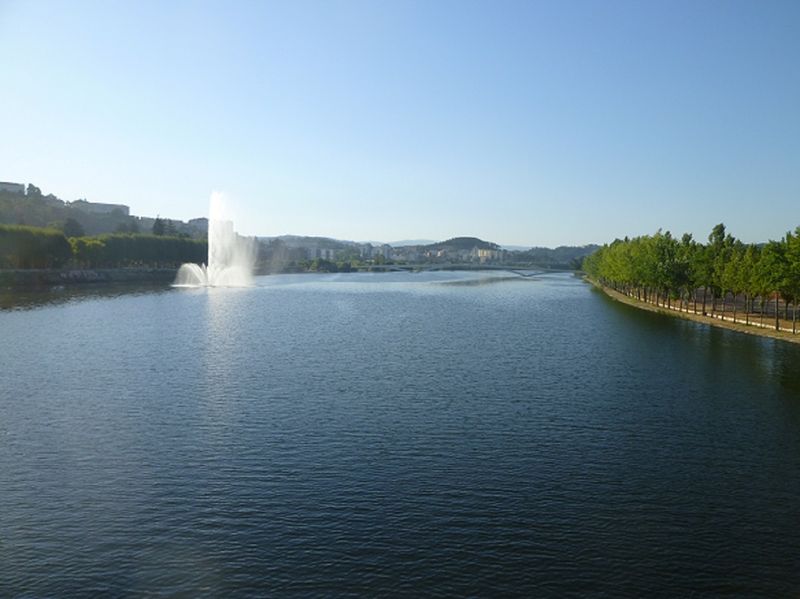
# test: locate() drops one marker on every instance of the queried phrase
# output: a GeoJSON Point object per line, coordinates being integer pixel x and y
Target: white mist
{"type": "Point", "coordinates": [230, 257]}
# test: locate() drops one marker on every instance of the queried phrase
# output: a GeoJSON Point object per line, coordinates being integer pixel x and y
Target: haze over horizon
{"type": "Point", "coordinates": [525, 124]}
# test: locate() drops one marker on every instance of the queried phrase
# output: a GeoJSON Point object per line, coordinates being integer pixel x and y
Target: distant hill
{"type": "Point", "coordinates": [293, 241]}
{"type": "Point", "coordinates": [463, 243]}
{"type": "Point", "coordinates": [565, 256]}
{"type": "Point", "coordinates": [408, 242]}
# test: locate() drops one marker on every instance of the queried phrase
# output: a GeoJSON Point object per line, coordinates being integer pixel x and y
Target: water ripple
{"type": "Point", "coordinates": [341, 436]}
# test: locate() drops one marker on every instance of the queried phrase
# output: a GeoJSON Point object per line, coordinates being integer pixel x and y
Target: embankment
{"type": "Point", "coordinates": [754, 328]}
{"type": "Point", "coordinates": [33, 278]}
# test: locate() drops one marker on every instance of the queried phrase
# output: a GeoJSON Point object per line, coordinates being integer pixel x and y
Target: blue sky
{"type": "Point", "coordinates": [529, 123]}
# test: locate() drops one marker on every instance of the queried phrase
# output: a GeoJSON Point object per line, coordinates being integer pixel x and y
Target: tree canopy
{"type": "Point", "coordinates": [34, 247]}
{"type": "Point", "coordinates": [660, 266]}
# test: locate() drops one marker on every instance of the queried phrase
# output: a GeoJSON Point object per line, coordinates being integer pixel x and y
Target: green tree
{"type": "Point", "coordinates": [169, 228]}
{"type": "Point", "coordinates": [131, 225]}
{"type": "Point", "coordinates": [792, 257]}
{"type": "Point", "coordinates": [32, 247]}
{"type": "Point", "coordinates": [72, 228]}
{"type": "Point", "coordinates": [749, 280]}
{"type": "Point", "coordinates": [159, 227]}
{"type": "Point", "coordinates": [770, 275]}
{"type": "Point", "coordinates": [686, 252]}
{"type": "Point", "coordinates": [717, 250]}
{"type": "Point", "coordinates": [732, 276]}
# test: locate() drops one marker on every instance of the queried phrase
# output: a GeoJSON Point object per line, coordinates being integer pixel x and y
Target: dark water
{"type": "Point", "coordinates": [392, 434]}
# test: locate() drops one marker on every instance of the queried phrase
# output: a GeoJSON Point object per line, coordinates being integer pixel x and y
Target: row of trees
{"type": "Point", "coordinates": [677, 273]}
{"type": "Point", "coordinates": [121, 250]}
{"type": "Point", "coordinates": [34, 247]}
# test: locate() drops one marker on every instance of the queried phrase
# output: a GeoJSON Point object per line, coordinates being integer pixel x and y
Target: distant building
{"type": "Point", "coordinates": [12, 187]}
{"type": "Point", "coordinates": [484, 255]}
{"type": "Point", "coordinates": [199, 224]}
{"type": "Point", "coordinates": [323, 253]}
{"type": "Point", "coordinates": [409, 252]}
{"type": "Point", "coordinates": [100, 208]}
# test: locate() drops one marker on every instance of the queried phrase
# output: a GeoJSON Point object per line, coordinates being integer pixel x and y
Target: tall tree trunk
{"type": "Point", "coordinates": [747, 308]}
{"type": "Point", "coordinates": [761, 310]}
{"type": "Point", "coordinates": [734, 308]}
{"type": "Point", "coordinates": [704, 301]}
{"type": "Point", "coordinates": [777, 314]}
{"type": "Point", "coordinates": [794, 316]}
{"type": "Point", "coordinates": [724, 299]}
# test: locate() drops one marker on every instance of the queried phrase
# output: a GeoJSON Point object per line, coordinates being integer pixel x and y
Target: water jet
{"type": "Point", "coordinates": [230, 256]}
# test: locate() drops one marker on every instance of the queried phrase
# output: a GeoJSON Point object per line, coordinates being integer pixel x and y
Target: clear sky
{"type": "Point", "coordinates": [528, 123]}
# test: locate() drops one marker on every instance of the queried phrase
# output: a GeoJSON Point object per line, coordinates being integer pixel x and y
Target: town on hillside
{"type": "Point", "coordinates": [27, 205]}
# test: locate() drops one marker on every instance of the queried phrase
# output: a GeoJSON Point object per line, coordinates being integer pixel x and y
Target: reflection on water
{"type": "Point", "coordinates": [490, 280]}
{"type": "Point", "coordinates": [220, 321]}
{"type": "Point", "coordinates": [26, 299]}
{"type": "Point", "coordinates": [764, 359]}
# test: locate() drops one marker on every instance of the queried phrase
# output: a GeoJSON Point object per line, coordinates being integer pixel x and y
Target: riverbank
{"type": "Point", "coordinates": [754, 328]}
{"type": "Point", "coordinates": [36, 278]}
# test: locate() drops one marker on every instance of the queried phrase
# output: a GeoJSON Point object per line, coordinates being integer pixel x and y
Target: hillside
{"type": "Point", "coordinates": [565, 256]}
{"type": "Point", "coordinates": [38, 210]}
{"type": "Point", "coordinates": [462, 243]}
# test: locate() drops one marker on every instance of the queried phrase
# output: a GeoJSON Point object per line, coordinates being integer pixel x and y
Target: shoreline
{"type": "Point", "coordinates": [23, 279]}
{"type": "Point", "coordinates": [739, 327]}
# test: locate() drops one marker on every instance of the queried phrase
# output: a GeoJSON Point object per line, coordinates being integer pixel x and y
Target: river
{"type": "Point", "coordinates": [444, 434]}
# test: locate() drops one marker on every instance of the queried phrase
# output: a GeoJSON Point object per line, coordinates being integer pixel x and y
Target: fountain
{"type": "Point", "coordinates": [230, 257]}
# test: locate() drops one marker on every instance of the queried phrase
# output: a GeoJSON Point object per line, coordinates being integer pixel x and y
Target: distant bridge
{"type": "Point", "coordinates": [523, 271]}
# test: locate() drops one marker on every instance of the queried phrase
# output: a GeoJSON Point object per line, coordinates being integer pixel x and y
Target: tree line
{"type": "Point", "coordinates": [23, 247]}
{"type": "Point", "coordinates": [721, 278]}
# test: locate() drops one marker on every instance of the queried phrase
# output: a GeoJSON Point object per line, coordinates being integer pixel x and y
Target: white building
{"type": "Point", "coordinates": [317, 252]}
{"type": "Point", "coordinates": [199, 224]}
{"type": "Point", "coordinates": [100, 208]}
{"type": "Point", "coordinates": [12, 187]}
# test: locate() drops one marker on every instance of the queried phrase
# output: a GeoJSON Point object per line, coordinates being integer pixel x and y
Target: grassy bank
{"type": "Point", "coordinates": [754, 328]}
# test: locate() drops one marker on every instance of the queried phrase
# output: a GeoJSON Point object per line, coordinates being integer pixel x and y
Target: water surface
{"type": "Point", "coordinates": [447, 434]}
